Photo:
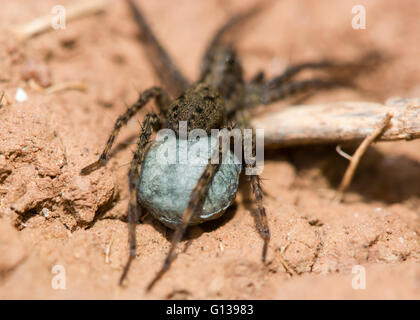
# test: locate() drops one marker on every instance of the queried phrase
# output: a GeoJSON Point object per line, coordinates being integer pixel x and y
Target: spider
{"type": "Point", "coordinates": [220, 97]}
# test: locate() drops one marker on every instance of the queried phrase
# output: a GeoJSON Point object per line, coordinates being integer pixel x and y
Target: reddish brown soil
{"type": "Point", "coordinates": [47, 209]}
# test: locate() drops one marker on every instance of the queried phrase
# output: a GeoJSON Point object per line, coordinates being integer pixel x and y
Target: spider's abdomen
{"type": "Point", "coordinates": [201, 106]}
{"type": "Point", "coordinates": [165, 188]}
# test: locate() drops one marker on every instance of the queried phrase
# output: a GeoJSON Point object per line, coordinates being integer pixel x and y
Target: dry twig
{"type": "Point", "coordinates": [341, 122]}
{"type": "Point", "coordinates": [338, 122]}
{"type": "Point", "coordinates": [62, 86]}
{"type": "Point", "coordinates": [67, 85]}
{"type": "Point", "coordinates": [355, 159]}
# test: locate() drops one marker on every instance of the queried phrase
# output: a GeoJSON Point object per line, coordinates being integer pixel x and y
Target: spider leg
{"type": "Point", "coordinates": [194, 205]}
{"type": "Point", "coordinates": [165, 68]}
{"type": "Point", "coordinates": [220, 39]}
{"type": "Point", "coordinates": [256, 187]}
{"type": "Point", "coordinates": [259, 200]}
{"type": "Point", "coordinates": [144, 98]}
{"type": "Point", "coordinates": [293, 70]}
{"type": "Point", "coordinates": [339, 74]}
{"type": "Point", "coordinates": [150, 123]}
{"type": "Point", "coordinates": [339, 70]}
{"type": "Point", "coordinates": [221, 67]}
{"type": "Point", "coordinates": [273, 94]}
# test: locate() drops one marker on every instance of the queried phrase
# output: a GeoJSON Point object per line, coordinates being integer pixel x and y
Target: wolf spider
{"type": "Point", "coordinates": [220, 96]}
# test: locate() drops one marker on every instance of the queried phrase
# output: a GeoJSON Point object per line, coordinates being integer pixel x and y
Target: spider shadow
{"type": "Point", "coordinates": [123, 145]}
{"type": "Point", "coordinates": [193, 232]}
{"type": "Point", "coordinates": [379, 177]}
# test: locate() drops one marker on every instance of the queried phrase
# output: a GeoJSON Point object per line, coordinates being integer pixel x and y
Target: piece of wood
{"type": "Point", "coordinates": [338, 122]}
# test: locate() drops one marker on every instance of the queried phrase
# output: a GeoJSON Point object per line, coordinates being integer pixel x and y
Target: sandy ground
{"type": "Point", "coordinates": [50, 216]}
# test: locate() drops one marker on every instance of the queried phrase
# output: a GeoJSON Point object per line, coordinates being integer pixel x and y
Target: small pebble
{"type": "Point", "coordinates": [21, 95]}
{"type": "Point", "coordinates": [45, 212]}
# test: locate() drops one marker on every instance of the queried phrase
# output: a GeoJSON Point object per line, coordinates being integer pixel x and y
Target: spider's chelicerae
{"type": "Point", "coordinates": [221, 96]}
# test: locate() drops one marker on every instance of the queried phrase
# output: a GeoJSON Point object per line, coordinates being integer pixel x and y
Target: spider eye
{"type": "Point", "coordinates": [229, 58]}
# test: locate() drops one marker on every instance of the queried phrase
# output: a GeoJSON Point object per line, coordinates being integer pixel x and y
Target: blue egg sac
{"type": "Point", "coordinates": [165, 186]}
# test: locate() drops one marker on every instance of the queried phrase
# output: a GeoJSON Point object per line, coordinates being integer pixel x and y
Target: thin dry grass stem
{"type": "Point", "coordinates": [67, 85]}
{"type": "Point", "coordinates": [355, 159]}
{"type": "Point", "coordinates": [342, 153]}
{"type": "Point", "coordinates": [62, 86]}
{"type": "Point", "coordinates": [287, 268]}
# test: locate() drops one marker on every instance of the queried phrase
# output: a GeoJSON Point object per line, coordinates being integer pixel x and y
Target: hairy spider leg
{"type": "Point", "coordinates": [169, 74]}
{"type": "Point", "coordinates": [220, 66]}
{"type": "Point", "coordinates": [162, 100]}
{"type": "Point", "coordinates": [340, 74]}
{"type": "Point", "coordinates": [341, 70]}
{"type": "Point", "coordinates": [151, 123]}
{"type": "Point", "coordinates": [220, 37]}
{"type": "Point", "coordinates": [293, 70]}
{"type": "Point", "coordinates": [259, 201]}
{"type": "Point", "coordinates": [256, 187]}
{"type": "Point", "coordinates": [270, 95]}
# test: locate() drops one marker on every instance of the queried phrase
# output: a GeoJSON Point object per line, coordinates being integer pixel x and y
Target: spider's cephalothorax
{"type": "Point", "coordinates": [201, 106]}
{"type": "Point", "coordinates": [219, 98]}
